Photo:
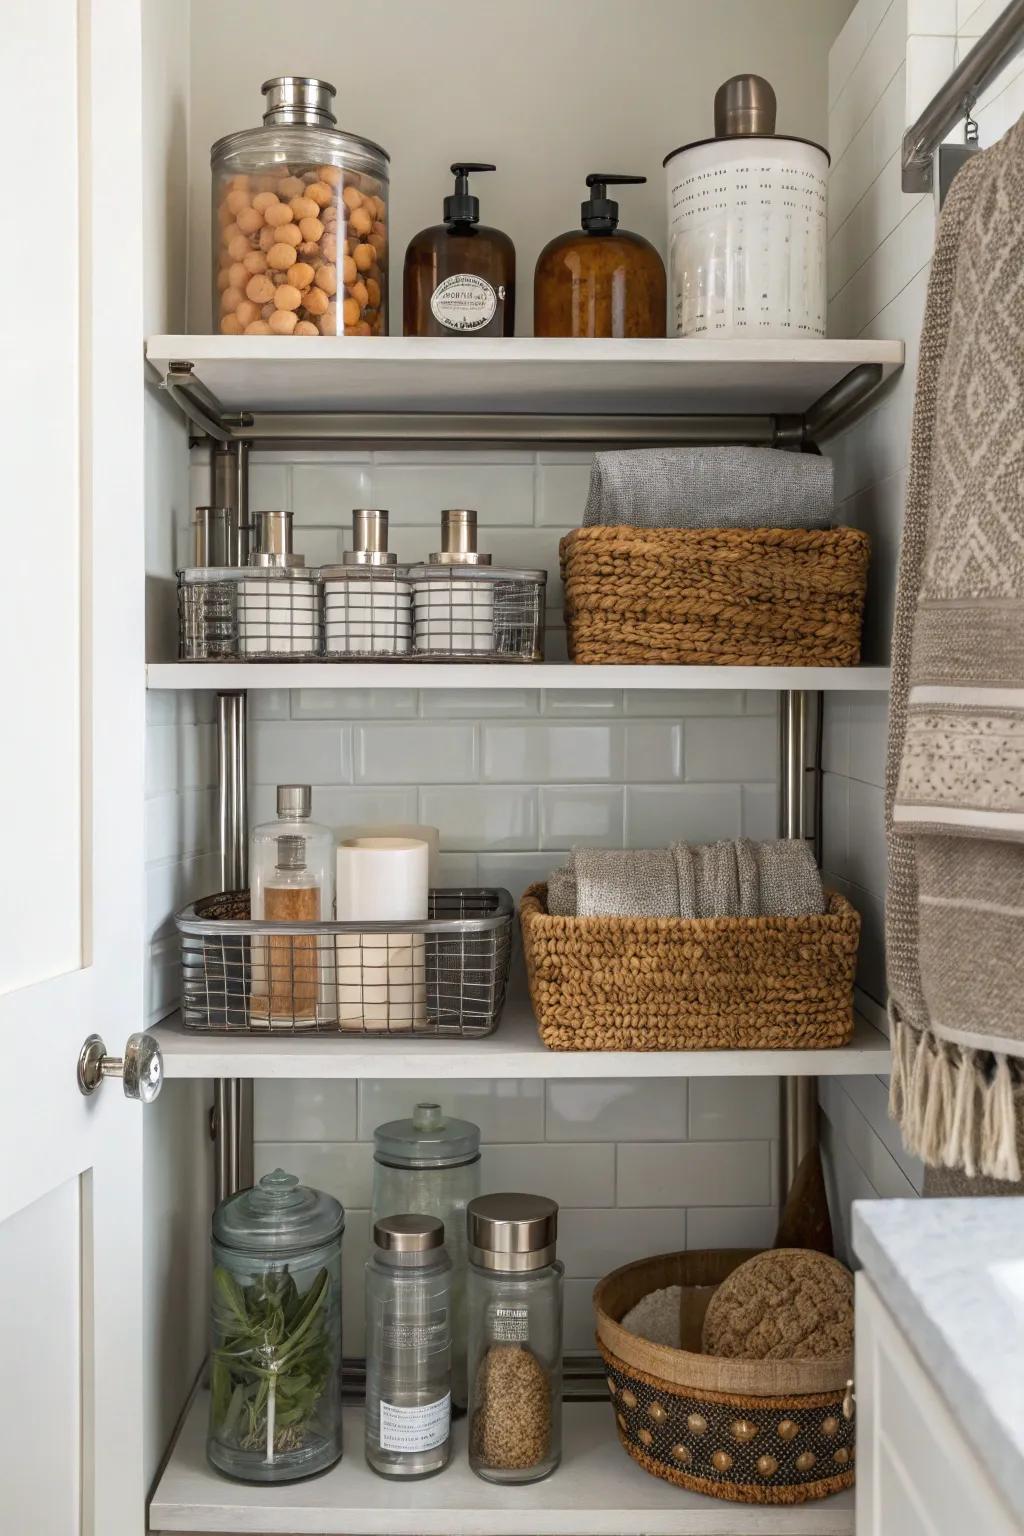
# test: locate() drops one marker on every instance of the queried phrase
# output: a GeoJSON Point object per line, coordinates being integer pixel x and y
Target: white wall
{"type": "Point", "coordinates": [546, 89]}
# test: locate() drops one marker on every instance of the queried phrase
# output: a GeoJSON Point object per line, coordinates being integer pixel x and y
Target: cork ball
{"type": "Point", "coordinates": [511, 1423]}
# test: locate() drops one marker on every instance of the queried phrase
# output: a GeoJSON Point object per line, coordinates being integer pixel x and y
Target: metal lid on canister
{"type": "Point", "coordinates": [294, 802]}
{"type": "Point", "coordinates": [408, 1234]}
{"type": "Point", "coordinates": [512, 1232]}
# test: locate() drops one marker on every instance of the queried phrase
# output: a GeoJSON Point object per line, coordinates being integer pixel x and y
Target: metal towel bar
{"type": "Point", "coordinates": [952, 103]}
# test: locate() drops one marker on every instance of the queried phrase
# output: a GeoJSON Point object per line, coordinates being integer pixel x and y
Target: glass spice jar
{"type": "Point", "coordinates": [300, 222]}
{"type": "Point", "coordinates": [430, 1164]}
{"type": "Point", "coordinates": [515, 1338]}
{"type": "Point", "coordinates": [275, 1370]}
{"type": "Point", "coordinates": [408, 1348]}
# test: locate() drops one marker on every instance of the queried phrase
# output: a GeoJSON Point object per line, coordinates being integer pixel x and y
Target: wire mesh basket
{"type": "Point", "coordinates": [367, 611]}
{"type": "Point", "coordinates": [446, 976]}
{"type": "Point", "coordinates": [249, 612]}
{"type": "Point", "coordinates": [477, 613]}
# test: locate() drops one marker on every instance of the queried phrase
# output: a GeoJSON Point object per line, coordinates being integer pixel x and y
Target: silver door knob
{"type": "Point", "coordinates": [141, 1068]}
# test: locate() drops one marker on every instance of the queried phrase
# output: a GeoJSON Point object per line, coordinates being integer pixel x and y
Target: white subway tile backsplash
{"type": "Point", "coordinates": [572, 815]}
{"type": "Point", "coordinates": [515, 871]}
{"type": "Point", "coordinates": [731, 749]}
{"type": "Point", "coordinates": [355, 1250]}
{"type": "Point", "coordinates": [416, 493]}
{"type": "Point", "coordinates": [835, 821]}
{"type": "Point", "coordinates": [869, 721]}
{"type": "Point", "coordinates": [355, 704]}
{"type": "Point", "coordinates": [478, 703]}
{"type": "Point", "coordinates": [324, 494]}
{"type": "Point", "coordinates": [733, 1108]}
{"type": "Point", "coordinates": [270, 486]}
{"type": "Point", "coordinates": [343, 1169]}
{"type": "Point", "coordinates": [507, 1111]}
{"type": "Point", "coordinates": [694, 1173]}
{"type": "Point", "coordinates": [541, 753]}
{"type": "Point", "coordinates": [619, 1109]}
{"type": "Point", "coordinates": [288, 752]}
{"type": "Point", "coordinates": [743, 1226]}
{"type": "Point", "coordinates": [476, 816]}
{"type": "Point", "coordinates": [269, 704]}
{"type": "Point", "coordinates": [866, 860]}
{"type": "Point", "coordinates": [180, 757]}
{"type": "Point", "coordinates": [415, 754]}
{"type": "Point", "coordinates": [654, 752]}
{"type": "Point", "coordinates": [760, 808]}
{"type": "Point", "coordinates": [562, 494]}
{"type": "Point", "coordinates": [595, 1242]}
{"type": "Point", "coordinates": [579, 1176]}
{"type": "Point", "coordinates": [304, 1109]}
{"type": "Point", "coordinates": [592, 703]}
{"type": "Point", "coordinates": [578, 1323]}
{"type": "Point", "coordinates": [657, 815]}
{"type": "Point", "coordinates": [343, 806]}
{"type": "Point", "coordinates": [680, 703]}
{"type": "Point", "coordinates": [181, 823]}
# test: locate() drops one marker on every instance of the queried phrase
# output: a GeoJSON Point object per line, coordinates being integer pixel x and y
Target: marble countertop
{"type": "Point", "coordinates": [951, 1273]}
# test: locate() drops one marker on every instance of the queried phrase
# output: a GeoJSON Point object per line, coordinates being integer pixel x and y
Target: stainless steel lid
{"type": "Point", "coordinates": [408, 1234]}
{"type": "Point", "coordinates": [294, 801]}
{"type": "Point", "coordinates": [299, 99]}
{"type": "Point", "coordinates": [458, 539]}
{"type": "Point", "coordinates": [744, 104]}
{"type": "Point", "coordinates": [512, 1232]}
{"type": "Point", "coordinates": [369, 538]}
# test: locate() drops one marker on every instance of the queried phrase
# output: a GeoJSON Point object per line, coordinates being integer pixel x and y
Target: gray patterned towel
{"type": "Point", "coordinates": [709, 488]}
{"type": "Point", "coordinates": [625, 882]}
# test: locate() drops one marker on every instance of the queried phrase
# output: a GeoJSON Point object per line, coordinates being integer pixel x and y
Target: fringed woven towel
{"type": "Point", "coordinates": [709, 488]}
{"type": "Point", "coordinates": [778, 878]}
{"type": "Point", "coordinates": [955, 771]}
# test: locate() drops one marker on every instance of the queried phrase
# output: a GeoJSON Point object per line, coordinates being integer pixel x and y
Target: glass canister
{"type": "Point", "coordinates": [430, 1165]}
{"type": "Point", "coordinates": [275, 1371]}
{"type": "Point", "coordinates": [408, 1348]}
{"type": "Point", "coordinates": [300, 221]}
{"type": "Point", "coordinates": [515, 1338]}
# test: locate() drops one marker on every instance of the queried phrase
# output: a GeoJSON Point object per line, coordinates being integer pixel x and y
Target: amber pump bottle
{"type": "Point", "coordinates": [601, 280]}
{"type": "Point", "coordinates": [460, 276]}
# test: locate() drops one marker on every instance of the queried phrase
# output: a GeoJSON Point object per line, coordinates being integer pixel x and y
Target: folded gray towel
{"type": "Point", "coordinates": [709, 488]}
{"type": "Point", "coordinates": [741, 878]}
{"type": "Point", "coordinates": [625, 882]}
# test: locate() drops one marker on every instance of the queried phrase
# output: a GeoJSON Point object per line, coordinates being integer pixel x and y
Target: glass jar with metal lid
{"type": "Point", "coordinates": [429, 1164]}
{"type": "Point", "coordinates": [464, 607]}
{"type": "Point", "coordinates": [275, 1370]}
{"type": "Point", "coordinates": [408, 1348]}
{"type": "Point", "coordinates": [300, 221]}
{"type": "Point", "coordinates": [367, 600]}
{"type": "Point", "coordinates": [515, 1338]}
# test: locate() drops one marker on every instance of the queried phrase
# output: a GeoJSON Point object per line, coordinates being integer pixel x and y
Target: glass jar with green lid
{"type": "Point", "coordinates": [275, 1371]}
{"type": "Point", "coordinates": [429, 1165]}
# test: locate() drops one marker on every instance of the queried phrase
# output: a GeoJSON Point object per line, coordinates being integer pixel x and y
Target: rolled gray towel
{"type": "Point", "coordinates": [562, 893]}
{"type": "Point", "coordinates": [790, 879]}
{"type": "Point", "coordinates": [709, 488]}
{"type": "Point", "coordinates": [625, 882]}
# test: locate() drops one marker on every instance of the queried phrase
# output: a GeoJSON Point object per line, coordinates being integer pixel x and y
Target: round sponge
{"type": "Point", "coordinates": [785, 1304]}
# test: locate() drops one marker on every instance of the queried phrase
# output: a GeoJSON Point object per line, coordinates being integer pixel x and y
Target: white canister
{"type": "Point", "coordinates": [278, 614]}
{"type": "Point", "coordinates": [747, 225]}
{"type": "Point", "coordinates": [382, 981]}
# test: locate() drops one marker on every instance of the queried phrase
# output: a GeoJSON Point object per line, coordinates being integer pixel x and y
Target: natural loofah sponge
{"type": "Point", "coordinates": [786, 1304]}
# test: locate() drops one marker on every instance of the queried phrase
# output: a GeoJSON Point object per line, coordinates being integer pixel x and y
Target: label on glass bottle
{"type": "Point", "coordinates": [421, 1428]}
{"type": "Point", "coordinates": [463, 302]}
{"type": "Point", "coordinates": [508, 1323]}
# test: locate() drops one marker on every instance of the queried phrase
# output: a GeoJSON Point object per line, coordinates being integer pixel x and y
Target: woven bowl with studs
{"type": "Point", "coordinates": [753, 1431]}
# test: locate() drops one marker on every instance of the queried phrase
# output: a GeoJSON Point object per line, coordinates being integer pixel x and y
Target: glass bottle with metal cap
{"type": "Point", "coordinates": [275, 1373]}
{"type": "Point", "coordinates": [294, 819]}
{"type": "Point", "coordinates": [430, 1164]}
{"type": "Point", "coordinates": [408, 1348]}
{"type": "Point", "coordinates": [515, 1338]}
{"type": "Point", "coordinates": [300, 221]}
{"type": "Point", "coordinates": [367, 601]}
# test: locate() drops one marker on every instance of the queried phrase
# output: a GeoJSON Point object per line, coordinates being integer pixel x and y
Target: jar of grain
{"type": "Point", "coordinates": [300, 222]}
{"type": "Point", "coordinates": [515, 1338]}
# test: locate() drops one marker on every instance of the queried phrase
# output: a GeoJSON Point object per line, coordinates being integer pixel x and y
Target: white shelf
{"type": "Point", "coordinates": [513, 1051]}
{"type": "Point", "coordinates": [597, 1491]}
{"type": "Point", "coordinates": [235, 676]}
{"type": "Point", "coordinates": [470, 375]}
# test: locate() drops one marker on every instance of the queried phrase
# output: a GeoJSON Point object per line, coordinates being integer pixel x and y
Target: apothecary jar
{"type": "Point", "coordinates": [300, 222]}
{"type": "Point", "coordinates": [275, 1365]}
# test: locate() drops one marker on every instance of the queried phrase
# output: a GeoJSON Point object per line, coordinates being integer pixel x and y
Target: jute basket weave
{"type": "Point", "coordinates": [681, 984]}
{"type": "Point", "coordinates": [715, 597]}
{"type": "Point", "coordinates": [759, 1432]}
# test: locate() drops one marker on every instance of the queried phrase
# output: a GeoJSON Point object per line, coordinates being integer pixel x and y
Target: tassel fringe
{"type": "Point", "coordinates": [951, 1111]}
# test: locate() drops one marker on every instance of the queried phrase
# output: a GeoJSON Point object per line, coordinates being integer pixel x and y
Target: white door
{"type": "Point", "coordinates": [71, 768]}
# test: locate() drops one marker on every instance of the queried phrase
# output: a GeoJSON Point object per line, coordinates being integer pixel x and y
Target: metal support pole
{"type": "Point", "coordinates": [232, 1118]}
{"type": "Point", "coordinates": [799, 1107]}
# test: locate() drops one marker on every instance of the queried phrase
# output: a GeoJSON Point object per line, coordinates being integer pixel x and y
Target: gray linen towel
{"type": "Point", "coordinates": [709, 488]}
{"type": "Point", "coordinates": [562, 893]}
{"type": "Point", "coordinates": [789, 879]}
{"type": "Point", "coordinates": [625, 882]}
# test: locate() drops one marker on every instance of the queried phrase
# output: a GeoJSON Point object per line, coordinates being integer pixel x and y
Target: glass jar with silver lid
{"type": "Point", "coordinates": [515, 1338]}
{"type": "Point", "coordinates": [464, 607]}
{"type": "Point", "coordinates": [408, 1348]}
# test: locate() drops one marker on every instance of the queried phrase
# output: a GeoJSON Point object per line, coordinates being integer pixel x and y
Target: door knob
{"type": "Point", "coordinates": [141, 1068]}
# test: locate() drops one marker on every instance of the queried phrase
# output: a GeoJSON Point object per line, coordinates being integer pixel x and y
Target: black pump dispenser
{"type": "Point", "coordinates": [599, 215]}
{"type": "Point", "coordinates": [461, 207]}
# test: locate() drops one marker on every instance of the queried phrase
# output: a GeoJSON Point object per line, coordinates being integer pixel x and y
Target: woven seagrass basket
{"type": "Point", "coordinates": [690, 984]}
{"type": "Point", "coordinates": [755, 1431]}
{"type": "Point", "coordinates": [715, 597]}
